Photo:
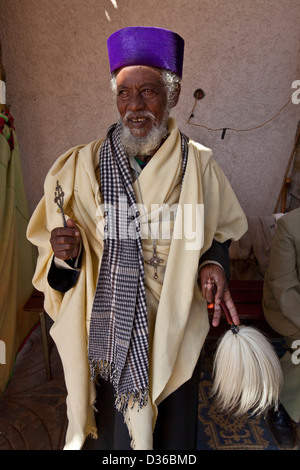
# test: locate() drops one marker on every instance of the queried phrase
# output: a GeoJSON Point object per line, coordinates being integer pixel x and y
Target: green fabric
{"type": "Point", "coordinates": [17, 256]}
{"type": "Point", "coordinates": [281, 301]}
{"type": "Point", "coordinates": [139, 161]}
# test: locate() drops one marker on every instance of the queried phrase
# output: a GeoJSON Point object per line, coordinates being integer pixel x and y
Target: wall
{"type": "Point", "coordinates": [244, 54]}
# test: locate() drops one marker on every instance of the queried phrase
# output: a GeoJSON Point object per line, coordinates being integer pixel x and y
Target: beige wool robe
{"type": "Point", "coordinates": [178, 319]}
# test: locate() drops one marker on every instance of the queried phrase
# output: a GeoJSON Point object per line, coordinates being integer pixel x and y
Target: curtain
{"type": "Point", "coordinates": [17, 255]}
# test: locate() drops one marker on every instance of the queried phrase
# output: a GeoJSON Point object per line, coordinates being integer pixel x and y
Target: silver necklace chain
{"type": "Point", "coordinates": [155, 260]}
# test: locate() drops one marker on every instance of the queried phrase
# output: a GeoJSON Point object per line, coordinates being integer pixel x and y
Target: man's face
{"type": "Point", "coordinates": [141, 99]}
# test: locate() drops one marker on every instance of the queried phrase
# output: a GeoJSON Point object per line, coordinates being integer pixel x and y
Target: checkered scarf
{"type": "Point", "coordinates": [118, 337]}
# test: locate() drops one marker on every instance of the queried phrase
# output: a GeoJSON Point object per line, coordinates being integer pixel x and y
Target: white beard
{"type": "Point", "coordinates": [141, 146]}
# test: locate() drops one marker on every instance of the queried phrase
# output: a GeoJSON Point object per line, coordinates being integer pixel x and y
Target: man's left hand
{"type": "Point", "coordinates": [213, 284]}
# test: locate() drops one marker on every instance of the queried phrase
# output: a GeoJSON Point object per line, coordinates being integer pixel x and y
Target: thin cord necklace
{"type": "Point", "coordinates": [155, 260]}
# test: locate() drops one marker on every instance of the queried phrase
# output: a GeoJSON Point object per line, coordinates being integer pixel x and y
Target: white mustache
{"type": "Point", "coordinates": [143, 115]}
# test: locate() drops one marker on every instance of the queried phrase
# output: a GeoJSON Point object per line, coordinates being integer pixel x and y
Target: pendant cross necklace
{"type": "Point", "coordinates": [155, 260]}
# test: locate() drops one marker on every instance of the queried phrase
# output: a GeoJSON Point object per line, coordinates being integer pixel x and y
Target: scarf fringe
{"type": "Point", "coordinates": [107, 372]}
{"type": "Point", "coordinates": [133, 396]}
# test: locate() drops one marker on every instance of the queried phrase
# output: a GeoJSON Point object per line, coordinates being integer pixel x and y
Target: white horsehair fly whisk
{"type": "Point", "coordinates": [247, 375]}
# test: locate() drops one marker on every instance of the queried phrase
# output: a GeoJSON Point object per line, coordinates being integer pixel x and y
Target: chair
{"type": "Point", "coordinates": [36, 304]}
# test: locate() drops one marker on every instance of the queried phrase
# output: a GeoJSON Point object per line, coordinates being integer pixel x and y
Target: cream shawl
{"type": "Point", "coordinates": [180, 325]}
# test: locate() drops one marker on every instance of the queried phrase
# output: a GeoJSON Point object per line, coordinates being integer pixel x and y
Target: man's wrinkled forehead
{"type": "Point", "coordinates": [147, 73]}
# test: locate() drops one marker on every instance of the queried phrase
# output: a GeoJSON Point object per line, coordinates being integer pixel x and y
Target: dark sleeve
{"type": "Point", "coordinates": [218, 252]}
{"type": "Point", "coordinates": [62, 280]}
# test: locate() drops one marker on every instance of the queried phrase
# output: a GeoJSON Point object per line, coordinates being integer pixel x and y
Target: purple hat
{"type": "Point", "coordinates": [146, 45]}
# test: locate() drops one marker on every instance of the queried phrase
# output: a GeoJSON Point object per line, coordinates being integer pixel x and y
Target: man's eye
{"type": "Point", "coordinates": [149, 92]}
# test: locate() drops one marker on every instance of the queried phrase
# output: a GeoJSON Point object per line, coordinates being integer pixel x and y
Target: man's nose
{"type": "Point", "coordinates": [136, 102]}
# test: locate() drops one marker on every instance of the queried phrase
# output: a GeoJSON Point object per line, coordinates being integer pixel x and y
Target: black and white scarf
{"type": "Point", "coordinates": [118, 337]}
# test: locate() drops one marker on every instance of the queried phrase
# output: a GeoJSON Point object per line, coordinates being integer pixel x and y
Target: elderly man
{"type": "Point", "coordinates": [150, 216]}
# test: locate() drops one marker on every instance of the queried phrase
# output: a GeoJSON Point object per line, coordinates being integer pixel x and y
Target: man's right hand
{"type": "Point", "coordinates": [65, 241]}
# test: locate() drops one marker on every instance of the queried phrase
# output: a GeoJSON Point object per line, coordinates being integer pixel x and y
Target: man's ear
{"type": "Point", "coordinates": [176, 95]}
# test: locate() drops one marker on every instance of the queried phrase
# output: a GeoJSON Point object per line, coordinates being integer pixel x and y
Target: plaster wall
{"type": "Point", "coordinates": [244, 54]}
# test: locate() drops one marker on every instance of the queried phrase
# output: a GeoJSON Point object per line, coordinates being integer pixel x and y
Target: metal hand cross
{"type": "Point", "coordinates": [59, 200]}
